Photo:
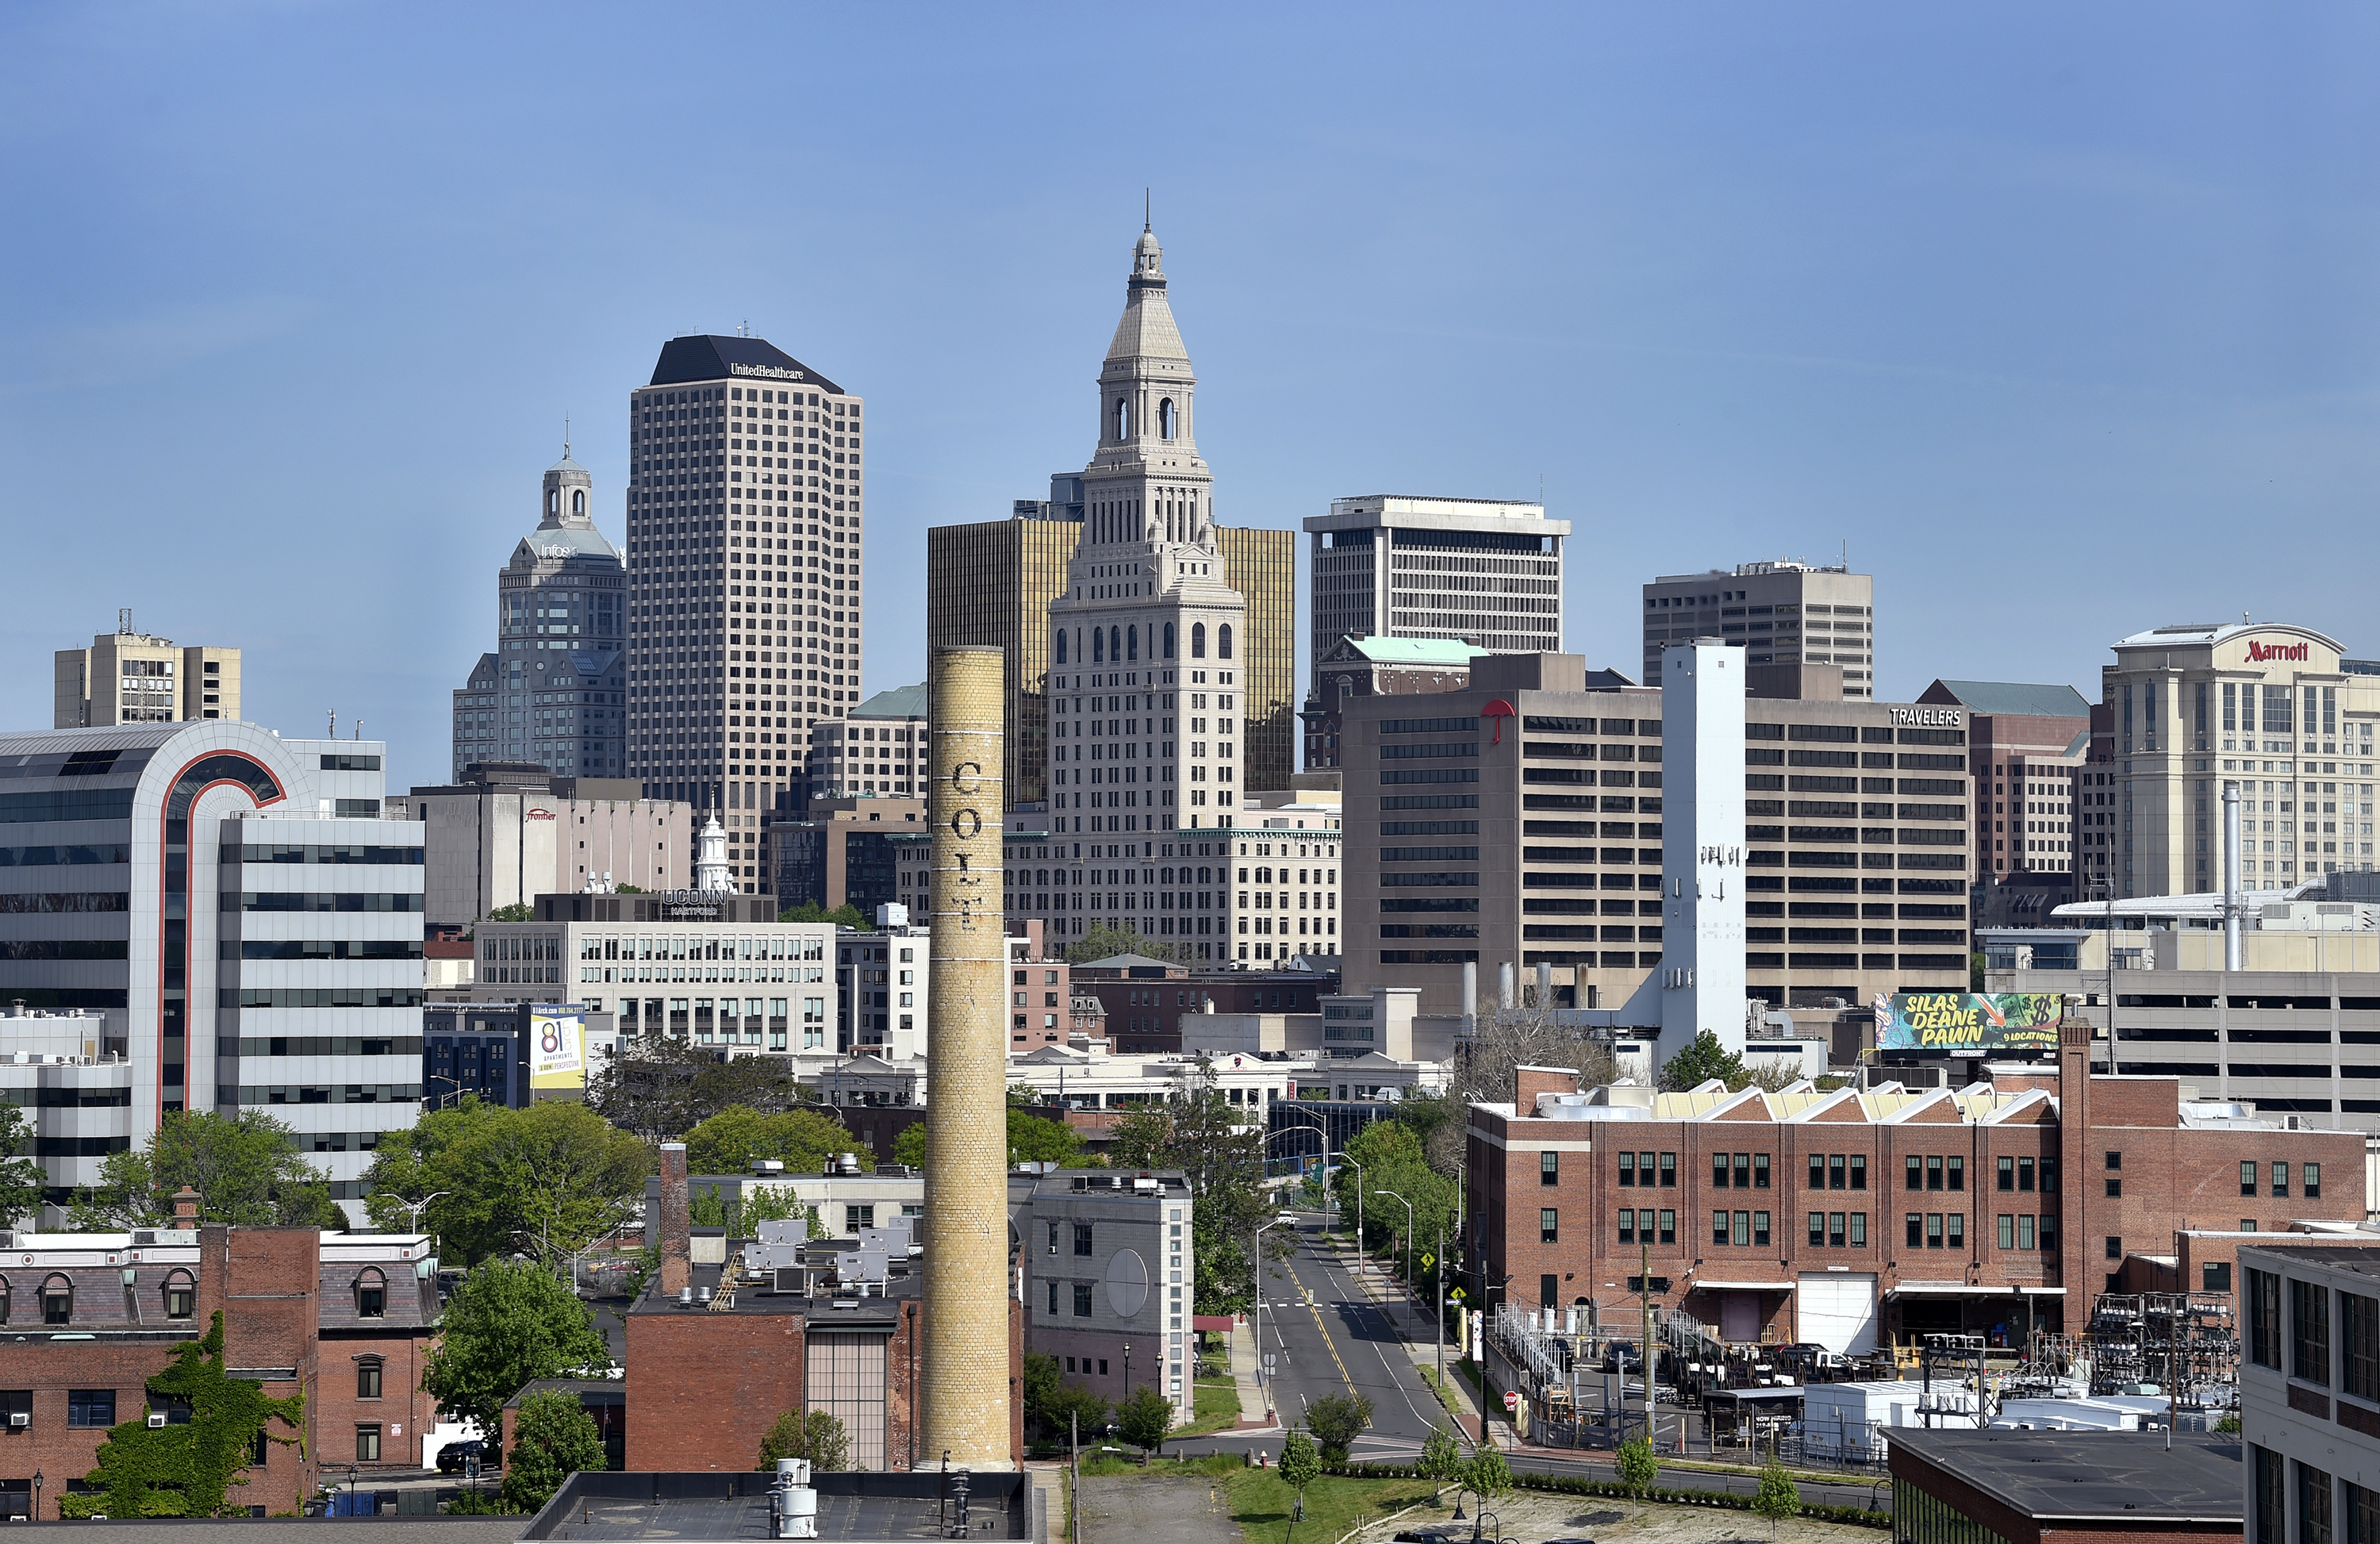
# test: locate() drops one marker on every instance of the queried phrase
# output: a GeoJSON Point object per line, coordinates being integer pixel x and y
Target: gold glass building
{"type": "Point", "coordinates": [1262, 566]}
{"type": "Point", "coordinates": [991, 584]}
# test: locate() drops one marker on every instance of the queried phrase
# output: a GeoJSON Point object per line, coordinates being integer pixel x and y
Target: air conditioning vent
{"type": "Point", "coordinates": [19, 1418]}
{"type": "Point", "coordinates": [156, 1421]}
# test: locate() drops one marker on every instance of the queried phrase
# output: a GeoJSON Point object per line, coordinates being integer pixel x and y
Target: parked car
{"type": "Point", "coordinates": [1621, 1357]}
{"type": "Point", "coordinates": [451, 1456]}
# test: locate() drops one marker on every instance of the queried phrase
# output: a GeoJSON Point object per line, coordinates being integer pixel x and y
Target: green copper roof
{"type": "Point", "coordinates": [2015, 697]}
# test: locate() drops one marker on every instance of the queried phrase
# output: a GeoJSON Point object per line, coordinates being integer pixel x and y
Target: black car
{"type": "Point", "coordinates": [452, 1457]}
{"type": "Point", "coordinates": [1620, 1356]}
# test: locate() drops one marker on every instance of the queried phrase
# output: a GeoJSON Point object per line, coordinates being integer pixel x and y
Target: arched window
{"type": "Point", "coordinates": [1099, 647]}
{"type": "Point", "coordinates": [554, 501]}
{"type": "Point", "coordinates": [371, 1292]}
{"type": "Point", "coordinates": [1197, 641]}
{"type": "Point", "coordinates": [578, 500]}
{"type": "Point", "coordinates": [7, 1296]}
{"type": "Point", "coordinates": [1165, 418]}
{"type": "Point", "coordinates": [57, 1299]}
{"type": "Point", "coordinates": [1122, 418]}
{"type": "Point", "coordinates": [1115, 643]}
{"type": "Point", "coordinates": [1224, 642]}
{"type": "Point", "coordinates": [181, 1295]}
{"type": "Point", "coordinates": [1062, 646]}
{"type": "Point", "coordinates": [1169, 640]}
{"type": "Point", "coordinates": [1132, 642]}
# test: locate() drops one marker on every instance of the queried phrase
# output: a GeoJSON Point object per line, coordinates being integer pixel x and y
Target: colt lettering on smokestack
{"type": "Point", "coordinates": [964, 1397]}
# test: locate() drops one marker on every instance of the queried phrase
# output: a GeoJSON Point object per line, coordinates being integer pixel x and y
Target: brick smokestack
{"type": "Point", "coordinates": [963, 1397]}
{"type": "Point", "coordinates": [676, 1268]}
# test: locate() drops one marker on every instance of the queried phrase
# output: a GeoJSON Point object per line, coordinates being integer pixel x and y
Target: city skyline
{"type": "Point", "coordinates": [1994, 290]}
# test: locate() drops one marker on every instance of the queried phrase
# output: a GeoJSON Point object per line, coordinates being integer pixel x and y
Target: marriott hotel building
{"type": "Point", "coordinates": [2185, 710]}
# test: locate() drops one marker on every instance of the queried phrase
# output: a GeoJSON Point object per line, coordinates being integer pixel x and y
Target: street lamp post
{"type": "Point", "coordinates": [1359, 1210]}
{"type": "Point", "coordinates": [413, 1210]}
{"type": "Point", "coordinates": [1409, 1233]}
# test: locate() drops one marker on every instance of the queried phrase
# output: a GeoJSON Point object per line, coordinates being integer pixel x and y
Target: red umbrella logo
{"type": "Point", "coordinates": [1500, 711]}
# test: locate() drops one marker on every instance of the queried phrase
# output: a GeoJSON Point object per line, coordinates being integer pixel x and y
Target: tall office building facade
{"type": "Point", "coordinates": [1783, 613]}
{"type": "Point", "coordinates": [554, 691]}
{"type": "Point", "coordinates": [744, 574]}
{"type": "Point", "coordinates": [1147, 638]}
{"type": "Point", "coordinates": [242, 916]}
{"type": "Point", "coordinates": [130, 676]}
{"type": "Point", "coordinates": [991, 582]}
{"type": "Point", "coordinates": [1390, 565]}
{"type": "Point", "coordinates": [2185, 710]}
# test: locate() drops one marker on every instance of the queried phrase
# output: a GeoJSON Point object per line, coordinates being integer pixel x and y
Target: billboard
{"type": "Point", "coordinates": [1968, 1022]}
{"type": "Point", "coordinates": [557, 1046]}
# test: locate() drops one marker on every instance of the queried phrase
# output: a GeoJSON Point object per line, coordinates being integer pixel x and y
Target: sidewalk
{"type": "Point", "coordinates": [1246, 1358]}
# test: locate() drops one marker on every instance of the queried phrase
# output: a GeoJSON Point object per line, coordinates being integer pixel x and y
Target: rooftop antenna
{"type": "Point", "coordinates": [565, 436]}
{"type": "Point", "coordinates": [1145, 208]}
{"type": "Point", "coordinates": [334, 723]}
{"type": "Point", "coordinates": [123, 621]}
{"type": "Point", "coordinates": [359, 729]}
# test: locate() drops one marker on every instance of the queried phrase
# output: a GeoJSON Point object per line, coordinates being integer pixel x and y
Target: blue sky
{"type": "Point", "coordinates": [2063, 317]}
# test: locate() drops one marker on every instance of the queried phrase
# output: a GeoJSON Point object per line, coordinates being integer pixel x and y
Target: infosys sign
{"type": "Point", "coordinates": [2258, 649]}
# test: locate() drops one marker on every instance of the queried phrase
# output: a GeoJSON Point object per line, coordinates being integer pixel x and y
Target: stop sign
{"type": "Point", "coordinates": [1511, 1399]}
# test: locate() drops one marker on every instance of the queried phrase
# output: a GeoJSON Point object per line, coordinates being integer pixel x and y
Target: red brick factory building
{"type": "Point", "coordinates": [1858, 1219]}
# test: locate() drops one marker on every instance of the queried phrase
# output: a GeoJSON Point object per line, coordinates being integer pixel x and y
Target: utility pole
{"type": "Point", "coordinates": [1440, 1272]}
{"type": "Point", "coordinates": [1645, 1286]}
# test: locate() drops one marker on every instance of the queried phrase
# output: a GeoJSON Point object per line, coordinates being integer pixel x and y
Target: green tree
{"type": "Point", "coordinates": [546, 1180]}
{"type": "Point", "coordinates": [1699, 1062]}
{"type": "Point", "coordinates": [1336, 1421]}
{"type": "Point", "coordinates": [21, 1181]}
{"type": "Point", "coordinates": [1220, 1154]}
{"type": "Point", "coordinates": [553, 1437]}
{"type": "Point", "coordinates": [519, 911]}
{"type": "Point", "coordinates": [1638, 1467]}
{"type": "Point", "coordinates": [1300, 1465]}
{"type": "Point", "coordinates": [1488, 1474]}
{"type": "Point", "coordinates": [246, 1168]}
{"type": "Point", "coordinates": [1440, 1458]}
{"type": "Point", "coordinates": [844, 916]}
{"type": "Point", "coordinates": [184, 1470]}
{"type": "Point", "coordinates": [729, 1141]}
{"type": "Point", "coordinates": [818, 1436]}
{"type": "Point", "coordinates": [661, 1088]}
{"type": "Point", "coordinates": [1144, 1418]}
{"type": "Point", "coordinates": [1104, 942]}
{"type": "Point", "coordinates": [1031, 1139]}
{"type": "Point", "coordinates": [508, 1323]}
{"type": "Point", "coordinates": [1776, 1499]}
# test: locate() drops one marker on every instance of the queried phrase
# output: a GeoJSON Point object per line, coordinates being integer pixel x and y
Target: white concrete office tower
{"type": "Point", "coordinates": [743, 563]}
{"type": "Point", "coordinates": [1699, 985]}
{"type": "Point", "coordinates": [1781, 613]}
{"type": "Point", "coordinates": [237, 902]}
{"type": "Point", "coordinates": [1389, 565]}
{"type": "Point", "coordinates": [1145, 610]}
{"type": "Point", "coordinates": [554, 691]}
{"type": "Point", "coordinates": [875, 753]}
{"type": "Point", "coordinates": [128, 676]}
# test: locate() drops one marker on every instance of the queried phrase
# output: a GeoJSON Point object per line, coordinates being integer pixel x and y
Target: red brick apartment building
{"type": "Point", "coordinates": [1147, 999]}
{"type": "Point", "coordinates": [347, 1320]}
{"type": "Point", "coordinates": [1853, 1219]}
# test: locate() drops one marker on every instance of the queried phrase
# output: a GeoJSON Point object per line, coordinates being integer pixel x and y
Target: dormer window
{"type": "Point", "coordinates": [57, 1300]}
{"type": "Point", "coordinates": [372, 1293]}
{"type": "Point", "coordinates": [181, 1295]}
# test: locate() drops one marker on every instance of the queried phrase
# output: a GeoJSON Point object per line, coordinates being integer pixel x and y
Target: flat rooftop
{"type": "Point", "coordinates": [2363, 1259]}
{"type": "Point", "coordinates": [2125, 1478]}
{"type": "Point", "coordinates": [689, 1508]}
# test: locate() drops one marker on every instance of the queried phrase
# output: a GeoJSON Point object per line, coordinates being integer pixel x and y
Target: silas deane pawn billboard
{"type": "Point", "coordinates": [1968, 1022]}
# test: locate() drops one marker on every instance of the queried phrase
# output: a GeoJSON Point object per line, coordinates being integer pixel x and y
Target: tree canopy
{"type": "Point", "coordinates": [818, 1436]}
{"type": "Point", "coordinates": [544, 1181]}
{"type": "Point", "coordinates": [1392, 1158]}
{"type": "Point", "coordinates": [1698, 1062]}
{"type": "Point", "coordinates": [1222, 1155]}
{"type": "Point", "coordinates": [553, 1437]}
{"type": "Point", "coordinates": [1031, 1139]}
{"type": "Point", "coordinates": [1105, 942]}
{"type": "Point", "coordinates": [247, 1170]}
{"type": "Point", "coordinates": [661, 1087]}
{"type": "Point", "coordinates": [508, 1323]}
{"type": "Point", "coordinates": [22, 1180]}
{"type": "Point", "coordinates": [802, 1140]}
{"type": "Point", "coordinates": [843, 916]}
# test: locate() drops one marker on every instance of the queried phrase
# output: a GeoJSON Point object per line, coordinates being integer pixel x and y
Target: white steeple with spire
{"type": "Point", "coordinates": [711, 869]}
